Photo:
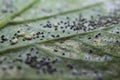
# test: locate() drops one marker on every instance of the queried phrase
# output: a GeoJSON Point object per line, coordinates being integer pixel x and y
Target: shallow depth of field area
{"type": "Point", "coordinates": [60, 39]}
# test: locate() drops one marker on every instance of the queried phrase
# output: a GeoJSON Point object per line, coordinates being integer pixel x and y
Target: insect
{"type": "Point", "coordinates": [28, 37]}
{"type": "Point", "coordinates": [32, 33]}
{"type": "Point", "coordinates": [20, 34]}
{"type": "Point", "coordinates": [14, 41]}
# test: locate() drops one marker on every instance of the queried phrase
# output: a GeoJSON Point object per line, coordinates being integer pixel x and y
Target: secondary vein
{"type": "Point", "coordinates": [53, 15]}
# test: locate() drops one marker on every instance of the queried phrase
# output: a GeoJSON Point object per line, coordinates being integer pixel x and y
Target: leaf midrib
{"type": "Point", "coordinates": [53, 40]}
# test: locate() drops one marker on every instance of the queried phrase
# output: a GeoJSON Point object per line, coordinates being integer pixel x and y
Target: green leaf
{"type": "Point", "coordinates": [60, 39]}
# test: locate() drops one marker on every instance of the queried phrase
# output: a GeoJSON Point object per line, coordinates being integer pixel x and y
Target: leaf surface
{"type": "Point", "coordinates": [61, 39]}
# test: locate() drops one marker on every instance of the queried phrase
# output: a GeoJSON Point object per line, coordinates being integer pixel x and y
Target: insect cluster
{"type": "Point", "coordinates": [78, 25]}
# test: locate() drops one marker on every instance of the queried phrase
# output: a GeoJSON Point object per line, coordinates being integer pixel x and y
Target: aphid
{"type": "Point", "coordinates": [98, 76]}
{"type": "Point", "coordinates": [74, 72]}
{"type": "Point", "coordinates": [117, 32]}
{"type": "Point", "coordinates": [4, 68]}
{"type": "Point", "coordinates": [19, 55]}
{"type": "Point", "coordinates": [42, 33]}
{"type": "Point", "coordinates": [36, 37]}
{"type": "Point", "coordinates": [106, 57]}
{"type": "Point", "coordinates": [53, 36]}
{"type": "Point", "coordinates": [63, 53]}
{"type": "Point", "coordinates": [56, 28]}
{"type": "Point", "coordinates": [23, 39]}
{"type": "Point", "coordinates": [84, 71]}
{"type": "Point", "coordinates": [117, 41]}
{"type": "Point", "coordinates": [32, 49]}
{"type": "Point", "coordinates": [61, 27]}
{"type": "Point", "coordinates": [15, 34]}
{"type": "Point", "coordinates": [4, 38]}
{"type": "Point", "coordinates": [28, 54]}
{"type": "Point", "coordinates": [68, 32]}
{"type": "Point", "coordinates": [19, 67]}
{"type": "Point", "coordinates": [11, 67]}
{"type": "Point", "coordinates": [67, 18]}
{"type": "Point", "coordinates": [20, 60]}
{"type": "Point", "coordinates": [38, 33]}
{"type": "Point", "coordinates": [14, 41]}
{"type": "Point", "coordinates": [37, 52]}
{"type": "Point", "coordinates": [89, 37]}
{"type": "Point", "coordinates": [70, 66]}
{"type": "Point", "coordinates": [32, 33]}
{"type": "Point", "coordinates": [99, 34]}
{"type": "Point", "coordinates": [55, 50]}
{"type": "Point", "coordinates": [13, 37]}
{"type": "Point", "coordinates": [18, 31]}
{"type": "Point", "coordinates": [55, 60]}
{"type": "Point", "coordinates": [55, 24]}
{"type": "Point", "coordinates": [95, 71]}
{"type": "Point", "coordinates": [44, 70]}
{"type": "Point", "coordinates": [57, 35]}
{"type": "Point", "coordinates": [61, 21]}
{"type": "Point", "coordinates": [63, 47]}
{"type": "Point", "coordinates": [42, 36]}
{"type": "Point", "coordinates": [4, 11]}
{"type": "Point", "coordinates": [21, 34]}
{"type": "Point", "coordinates": [28, 37]}
{"type": "Point", "coordinates": [63, 31]}
{"type": "Point", "coordinates": [1, 41]}
{"type": "Point", "coordinates": [41, 39]}
{"type": "Point", "coordinates": [96, 36]}
{"type": "Point", "coordinates": [65, 23]}
{"type": "Point", "coordinates": [90, 51]}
